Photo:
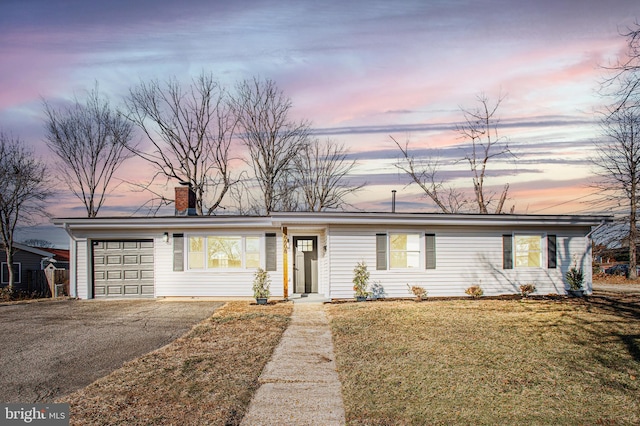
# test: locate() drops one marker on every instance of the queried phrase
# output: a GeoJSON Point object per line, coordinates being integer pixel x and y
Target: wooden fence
{"type": "Point", "coordinates": [48, 283]}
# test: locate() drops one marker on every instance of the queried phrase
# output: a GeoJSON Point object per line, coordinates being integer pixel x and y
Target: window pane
{"type": "Point", "coordinates": [528, 251]}
{"type": "Point", "coordinates": [252, 260]}
{"type": "Point", "coordinates": [224, 252]}
{"type": "Point", "coordinates": [196, 253]}
{"type": "Point", "coordinates": [413, 242]}
{"type": "Point", "coordinates": [253, 244]}
{"type": "Point", "coordinates": [413, 259]}
{"type": "Point", "coordinates": [404, 250]}
{"type": "Point", "coordinates": [398, 259]}
{"type": "Point", "coordinates": [398, 241]}
{"type": "Point", "coordinates": [252, 252]}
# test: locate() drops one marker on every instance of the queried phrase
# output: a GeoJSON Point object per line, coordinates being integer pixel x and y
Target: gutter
{"type": "Point", "coordinates": [602, 223]}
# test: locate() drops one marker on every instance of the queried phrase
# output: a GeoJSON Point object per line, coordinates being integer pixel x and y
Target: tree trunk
{"type": "Point", "coordinates": [633, 233]}
{"type": "Point", "coordinates": [10, 271]}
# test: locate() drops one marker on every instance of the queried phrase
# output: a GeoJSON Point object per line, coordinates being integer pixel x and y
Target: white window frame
{"type": "Point", "coordinates": [243, 254]}
{"type": "Point", "coordinates": [420, 251]}
{"type": "Point", "coordinates": [5, 279]}
{"type": "Point", "coordinates": [543, 250]}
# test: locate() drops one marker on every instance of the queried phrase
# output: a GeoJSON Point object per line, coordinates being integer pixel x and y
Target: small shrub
{"type": "Point", "coordinates": [474, 291]}
{"type": "Point", "coordinates": [419, 292]}
{"type": "Point", "coordinates": [361, 280]}
{"type": "Point", "coordinates": [575, 278]}
{"type": "Point", "coordinates": [527, 289]}
{"type": "Point", "coordinates": [5, 294]}
{"type": "Point", "coordinates": [261, 283]}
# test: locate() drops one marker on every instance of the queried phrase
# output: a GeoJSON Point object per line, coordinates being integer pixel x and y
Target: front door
{"type": "Point", "coordinates": [305, 264]}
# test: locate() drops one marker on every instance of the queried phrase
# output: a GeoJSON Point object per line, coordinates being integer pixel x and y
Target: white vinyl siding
{"type": "Point", "coordinates": [84, 274]}
{"type": "Point", "coordinates": [220, 282]}
{"type": "Point", "coordinates": [465, 257]}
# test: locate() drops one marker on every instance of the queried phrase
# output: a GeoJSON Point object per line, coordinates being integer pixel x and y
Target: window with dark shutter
{"type": "Point", "coordinates": [381, 252]}
{"type": "Point", "coordinates": [178, 252]}
{"type": "Point", "coordinates": [430, 251]}
{"type": "Point", "coordinates": [507, 252]}
{"type": "Point", "coordinates": [551, 252]}
{"type": "Point", "coordinates": [271, 252]}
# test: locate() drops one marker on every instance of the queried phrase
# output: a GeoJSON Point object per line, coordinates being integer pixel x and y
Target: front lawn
{"type": "Point", "coordinates": [206, 377]}
{"type": "Point", "coordinates": [489, 361]}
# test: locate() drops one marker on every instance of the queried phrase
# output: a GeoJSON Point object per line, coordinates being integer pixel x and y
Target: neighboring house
{"type": "Point", "coordinates": [28, 263]}
{"type": "Point", "coordinates": [199, 256]}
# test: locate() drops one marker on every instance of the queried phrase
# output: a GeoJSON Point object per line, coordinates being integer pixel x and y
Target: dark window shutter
{"type": "Point", "coordinates": [381, 252]}
{"type": "Point", "coordinates": [271, 252]}
{"type": "Point", "coordinates": [178, 252]}
{"type": "Point", "coordinates": [551, 252]}
{"type": "Point", "coordinates": [507, 252]}
{"type": "Point", "coordinates": [430, 251]}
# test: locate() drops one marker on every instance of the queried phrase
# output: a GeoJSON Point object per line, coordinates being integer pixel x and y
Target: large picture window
{"type": "Point", "coordinates": [223, 252]}
{"type": "Point", "coordinates": [404, 251]}
{"type": "Point", "coordinates": [528, 251]}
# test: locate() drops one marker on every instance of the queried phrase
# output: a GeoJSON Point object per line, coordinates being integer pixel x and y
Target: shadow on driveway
{"type": "Point", "coordinates": [50, 349]}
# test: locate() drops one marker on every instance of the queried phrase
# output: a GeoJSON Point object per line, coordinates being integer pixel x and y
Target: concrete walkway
{"type": "Point", "coordinates": [300, 385]}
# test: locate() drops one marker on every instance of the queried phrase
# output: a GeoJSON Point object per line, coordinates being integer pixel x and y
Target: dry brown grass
{"type": "Point", "coordinates": [489, 361]}
{"type": "Point", "coordinates": [206, 377]}
{"type": "Point", "coordinates": [613, 279]}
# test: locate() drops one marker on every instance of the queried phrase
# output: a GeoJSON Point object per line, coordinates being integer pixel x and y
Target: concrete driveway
{"type": "Point", "coordinates": [49, 349]}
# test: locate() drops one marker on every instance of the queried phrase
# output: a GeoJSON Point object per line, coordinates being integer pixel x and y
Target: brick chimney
{"type": "Point", "coordinates": [185, 200]}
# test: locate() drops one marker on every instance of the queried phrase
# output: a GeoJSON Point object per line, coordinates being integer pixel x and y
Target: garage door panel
{"type": "Point", "coordinates": [131, 289]}
{"type": "Point", "coordinates": [147, 290]}
{"type": "Point", "coordinates": [123, 268]}
{"type": "Point", "coordinates": [114, 290]}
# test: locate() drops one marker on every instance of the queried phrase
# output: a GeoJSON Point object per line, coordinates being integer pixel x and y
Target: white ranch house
{"type": "Point", "coordinates": [217, 256]}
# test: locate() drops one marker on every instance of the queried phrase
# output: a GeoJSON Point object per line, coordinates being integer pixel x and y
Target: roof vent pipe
{"type": "Point", "coordinates": [393, 201]}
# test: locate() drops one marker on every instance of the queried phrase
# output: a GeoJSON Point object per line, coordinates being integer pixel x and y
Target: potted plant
{"type": "Point", "coordinates": [261, 283]}
{"type": "Point", "coordinates": [575, 278]}
{"type": "Point", "coordinates": [527, 289]}
{"type": "Point", "coordinates": [360, 281]}
{"type": "Point", "coordinates": [419, 292]}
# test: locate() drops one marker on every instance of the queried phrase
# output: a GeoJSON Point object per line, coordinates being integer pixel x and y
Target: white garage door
{"type": "Point", "coordinates": [123, 268]}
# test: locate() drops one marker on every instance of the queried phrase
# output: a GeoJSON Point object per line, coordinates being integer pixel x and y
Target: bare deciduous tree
{"type": "Point", "coordinates": [22, 194]}
{"type": "Point", "coordinates": [271, 137]}
{"type": "Point", "coordinates": [90, 140]}
{"type": "Point", "coordinates": [424, 172]}
{"type": "Point", "coordinates": [191, 130]}
{"type": "Point", "coordinates": [481, 130]}
{"type": "Point", "coordinates": [618, 153]}
{"type": "Point", "coordinates": [321, 171]}
{"type": "Point", "coordinates": [624, 82]}
{"type": "Point", "coordinates": [618, 168]}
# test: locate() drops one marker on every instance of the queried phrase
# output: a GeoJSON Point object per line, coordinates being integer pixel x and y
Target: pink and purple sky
{"type": "Point", "coordinates": [359, 70]}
